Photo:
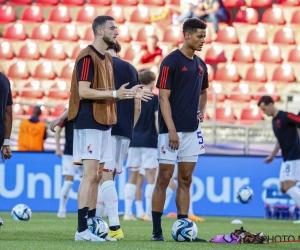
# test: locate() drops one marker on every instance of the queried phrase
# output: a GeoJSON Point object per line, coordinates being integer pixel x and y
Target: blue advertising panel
{"type": "Point", "coordinates": [35, 179]}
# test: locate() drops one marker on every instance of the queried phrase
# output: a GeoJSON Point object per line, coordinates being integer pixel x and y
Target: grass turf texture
{"type": "Point", "coordinates": [46, 231]}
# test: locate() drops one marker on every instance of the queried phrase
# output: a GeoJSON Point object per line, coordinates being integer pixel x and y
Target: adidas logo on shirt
{"type": "Point", "coordinates": [184, 69]}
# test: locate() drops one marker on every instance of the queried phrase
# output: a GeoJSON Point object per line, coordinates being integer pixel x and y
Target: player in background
{"type": "Point", "coordinates": [68, 169]}
{"type": "Point", "coordinates": [182, 84]}
{"type": "Point", "coordinates": [128, 113]}
{"type": "Point", "coordinates": [285, 126]}
{"type": "Point", "coordinates": [143, 150]}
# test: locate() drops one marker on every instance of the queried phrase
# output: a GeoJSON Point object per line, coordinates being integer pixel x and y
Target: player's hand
{"type": "Point", "coordinates": [6, 153]}
{"type": "Point", "coordinates": [173, 140]}
{"type": "Point", "coordinates": [123, 93]}
{"type": "Point", "coordinates": [200, 116]}
{"type": "Point", "coordinates": [269, 159]}
{"type": "Point", "coordinates": [58, 152]}
{"type": "Point", "coordinates": [54, 123]}
{"type": "Point", "coordinates": [143, 94]}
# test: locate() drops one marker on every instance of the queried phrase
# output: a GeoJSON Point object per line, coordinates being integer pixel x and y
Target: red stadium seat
{"type": "Point", "coordinates": [211, 72]}
{"type": "Point", "coordinates": [227, 73]}
{"type": "Point", "coordinates": [257, 35]}
{"type": "Point", "coordinates": [267, 89]}
{"type": "Point", "coordinates": [55, 52]}
{"type": "Point", "coordinates": [175, 2]}
{"type": "Point", "coordinates": [42, 32]}
{"type": "Point", "coordinates": [234, 3]}
{"type": "Point", "coordinates": [273, 16]}
{"type": "Point", "coordinates": [173, 34]}
{"type": "Point", "coordinates": [18, 110]}
{"type": "Point", "coordinates": [19, 2]}
{"type": "Point", "coordinates": [154, 2]}
{"type": "Point", "coordinates": [15, 32]}
{"type": "Point", "coordinates": [294, 55]}
{"type": "Point", "coordinates": [217, 90]}
{"type": "Point", "coordinates": [248, 15]}
{"type": "Point", "coordinates": [44, 71]}
{"type": "Point", "coordinates": [29, 51]}
{"type": "Point", "coordinates": [127, 2]}
{"type": "Point", "coordinates": [296, 17]}
{"type": "Point", "coordinates": [251, 114]}
{"type": "Point", "coordinates": [117, 13]}
{"type": "Point", "coordinates": [240, 93]}
{"type": "Point", "coordinates": [6, 51]}
{"type": "Point", "coordinates": [289, 2]}
{"type": "Point", "coordinates": [88, 35]}
{"type": "Point", "coordinates": [68, 33]}
{"type": "Point", "coordinates": [272, 54]}
{"type": "Point", "coordinates": [140, 15]}
{"type": "Point", "coordinates": [143, 33]}
{"type": "Point", "coordinates": [58, 110]}
{"type": "Point", "coordinates": [86, 14]}
{"type": "Point", "coordinates": [77, 49]}
{"type": "Point", "coordinates": [100, 2]}
{"type": "Point", "coordinates": [285, 36]}
{"type": "Point", "coordinates": [208, 38]}
{"type": "Point", "coordinates": [47, 2]}
{"type": "Point", "coordinates": [73, 2]}
{"type": "Point", "coordinates": [243, 54]}
{"type": "Point", "coordinates": [124, 34]}
{"type": "Point", "coordinates": [14, 93]}
{"type": "Point", "coordinates": [227, 35]}
{"type": "Point", "coordinates": [225, 114]}
{"type": "Point", "coordinates": [261, 3]}
{"type": "Point", "coordinates": [59, 91]}
{"type": "Point", "coordinates": [45, 111]}
{"type": "Point", "coordinates": [284, 73]}
{"type": "Point", "coordinates": [32, 90]}
{"type": "Point", "coordinates": [7, 14]}
{"type": "Point", "coordinates": [60, 14]}
{"type": "Point", "coordinates": [131, 52]}
{"type": "Point", "coordinates": [67, 71]}
{"type": "Point", "coordinates": [215, 55]}
{"type": "Point", "coordinates": [256, 73]}
{"type": "Point", "coordinates": [18, 70]}
{"type": "Point", "coordinates": [33, 14]}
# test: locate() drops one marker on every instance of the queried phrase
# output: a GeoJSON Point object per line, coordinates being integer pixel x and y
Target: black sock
{"type": "Point", "coordinates": [82, 219]}
{"type": "Point", "coordinates": [92, 213]}
{"type": "Point", "coordinates": [156, 220]}
{"type": "Point", "coordinates": [114, 228]}
{"type": "Point", "coordinates": [182, 216]}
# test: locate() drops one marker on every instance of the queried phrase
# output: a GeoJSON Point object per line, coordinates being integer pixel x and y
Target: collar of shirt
{"type": "Point", "coordinates": [34, 119]}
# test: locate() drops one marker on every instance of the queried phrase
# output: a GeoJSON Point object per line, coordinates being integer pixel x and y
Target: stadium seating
{"type": "Point", "coordinates": [256, 73]}
{"type": "Point", "coordinates": [59, 91]}
{"type": "Point", "coordinates": [100, 2]}
{"type": "Point", "coordinates": [55, 52]}
{"type": "Point", "coordinates": [18, 70]}
{"type": "Point", "coordinates": [143, 33]}
{"type": "Point", "coordinates": [67, 71]}
{"type": "Point", "coordinates": [127, 2]}
{"type": "Point", "coordinates": [124, 34]}
{"type": "Point", "coordinates": [243, 54]}
{"type": "Point", "coordinates": [117, 13]}
{"type": "Point", "coordinates": [289, 2]}
{"type": "Point", "coordinates": [33, 14]}
{"type": "Point", "coordinates": [294, 55]}
{"type": "Point", "coordinates": [225, 114]}
{"type": "Point", "coordinates": [68, 33]}
{"type": "Point", "coordinates": [131, 52]}
{"type": "Point", "coordinates": [6, 51]}
{"type": "Point", "coordinates": [42, 32]}
{"type": "Point", "coordinates": [227, 35]}
{"type": "Point", "coordinates": [173, 34]}
{"type": "Point", "coordinates": [240, 93]}
{"type": "Point", "coordinates": [261, 3]}
{"type": "Point", "coordinates": [218, 90]}
{"type": "Point", "coordinates": [58, 110]}
{"type": "Point", "coordinates": [296, 17]}
{"type": "Point", "coordinates": [140, 15]}
{"type": "Point", "coordinates": [215, 55]}
{"type": "Point", "coordinates": [273, 16]}
{"type": "Point", "coordinates": [284, 73]}
{"type": "Point", "coordinates": [175, 2]}
{"type": "Point", "coordinates": [227, 73]}
{"type": "Point", "coordinates": [208, 38]}
{"type": "Point", "coordinates": [234, 3]}
{"type": "Point", "coordinates": [60, 14]}
{"type": "Point", "coordinates": [88, 35]}
{"type": "Point", "coordinates": [271, 54]}
{"type": "Point", "coordinates": [73, 2]}
{"type": "Point", "coordinates": [47, 2]}
{"type": "Point", "coordinates": [19, 2]}
{"type": "Point", "coordinates": [251, 115]}
{"type": "Point", "coordinates": [45, 111]}
{"type": "Point", "coordinates": [257, 35]}
{"type": "Point", "coordinates": [44, 70]}
{"type": "Point", "coordinates": [32, 90]}
{"type": "Point", "coordinates": [15, 32]}
{"type": "Point", "coordinates": [248, 15]}
{"type": "Point", "coordinates": [77, 49]}
{"type": "Point", "coordinates": [267, 89]}
{"type": "Point", "coordinates": [14, 93]}
{"type": "Point", "coordinates": [211, 72]}
{"type": "Point", "coordinates": [18, 110]}
{"type": "Point", "coordinates": [29, 51]}
{"type": "Point", "coordinates": [86, 14]}
{"type": "Point", "coordinates": [154, 2]}
{"type": "Point", "coordinates": [7, 14]}
{"type": "Point", "coordinates": [285, 36]}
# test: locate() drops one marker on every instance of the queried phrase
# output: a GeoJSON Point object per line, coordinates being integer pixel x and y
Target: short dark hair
{"type": "Point", "coordinates": [146, 77]}
{"type": "Point", "coordinates": [116, 47]}
{"type": "Point", "coordinates": [192, 24]}
{"type": "Point", "coordinates": [37, 111]}
{"type": "Point", "coordinates": [100, 20]}
{"type": "Point", "coordinates": [266, 99]}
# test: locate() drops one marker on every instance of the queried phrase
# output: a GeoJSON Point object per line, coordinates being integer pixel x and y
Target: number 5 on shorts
{"type": "Point", "coordinates": [199, 136]}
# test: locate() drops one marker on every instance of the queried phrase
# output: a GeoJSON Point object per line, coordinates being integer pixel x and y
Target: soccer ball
{"type": "Point", "coordinates": [184, 230]}
{"type": "Point", "coordinates": [21, 212]}
{"type": "Point", "coordinates": [98, 226]}
{"type": "Point", "coordinates": [245, 194]}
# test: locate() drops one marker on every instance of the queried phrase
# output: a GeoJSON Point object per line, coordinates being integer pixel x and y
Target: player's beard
{"type": "Point", "coordinates": [108, 41]}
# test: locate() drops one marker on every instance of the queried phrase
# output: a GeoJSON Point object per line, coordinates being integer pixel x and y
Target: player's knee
{"type": "Point", "coordinates": [185, 181]}
{"type": "Point", "coordinates": [163, 179]}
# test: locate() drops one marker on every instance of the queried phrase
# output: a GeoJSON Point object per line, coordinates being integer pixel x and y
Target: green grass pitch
{"type": "Point", "coordinates": [46, 231]}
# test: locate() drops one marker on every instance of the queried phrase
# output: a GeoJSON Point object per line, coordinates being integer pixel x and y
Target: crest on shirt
{"type": "Point", "coordinates": [278, 125]}
{"type": "Point", "coordinates": [200, 70]}
{"type": "Point", "coordinates": [163, 149]}
{"type": "Point", "coordinates": [202, 147]}
{"type": "Point", "coordinates": [89, 149]}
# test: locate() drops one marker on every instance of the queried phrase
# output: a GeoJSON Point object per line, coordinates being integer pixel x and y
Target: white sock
{"type": "Point", "coordinates": [294, 193]}
{"type": "Point", "coordinates": [148, 195]}
{"type": "Point", "coordinates": [100, 207]}
{"type": "Point", "coordinates": [169, 194]}
{"type": "Point", "coordinates": [129, 194]}
{"type": "Point", "coordinates": [139, 209]}
{"type": "Point", "coordinates": [111, 202]}
{"type": "Point", "coordinates": [191, 203]}
{"type": "Point", "coordinates": [64, 195]}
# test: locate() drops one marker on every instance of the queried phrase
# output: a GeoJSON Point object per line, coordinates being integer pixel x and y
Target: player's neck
{"type": "Point", "coordinates": [188, 52]}
{"type": "Point", "coordinates": [275, 113]}
{"type": "Point", "coordinates": [100, 46]}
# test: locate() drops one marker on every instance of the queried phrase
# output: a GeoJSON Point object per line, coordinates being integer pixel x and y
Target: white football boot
{"type": "Point", "coordinates": [87, 235]}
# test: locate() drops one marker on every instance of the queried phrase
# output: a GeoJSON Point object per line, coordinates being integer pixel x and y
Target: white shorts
{"type": "Point", "coordinates": [91, 144]}
{"type": "Point", "coordinates": [191, 144]}
{"type": "Point", "coordinates": [145, 158]}
{"type": "Point", "coordinates": [68, 168]}
{"type": "Point", "coordinates": [119, 146]}
{"type": "Point", "coordinates": [290, 171]}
